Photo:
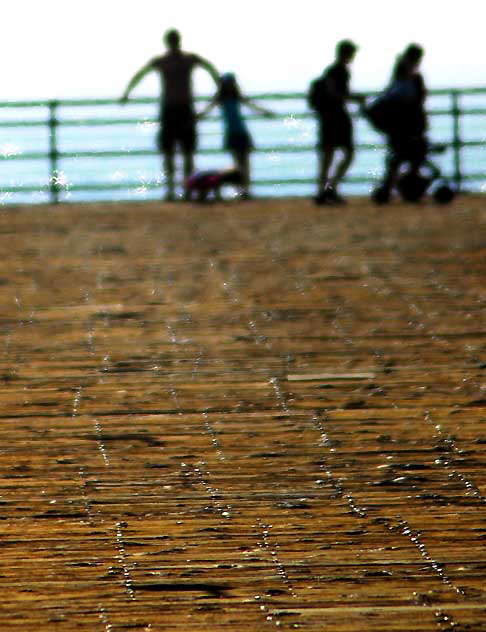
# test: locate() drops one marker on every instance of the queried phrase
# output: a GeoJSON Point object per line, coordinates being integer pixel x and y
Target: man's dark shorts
{"type": "Point", "coordinates": [178, 127]}
{"type": "Point", "coordinates": [335, 130]}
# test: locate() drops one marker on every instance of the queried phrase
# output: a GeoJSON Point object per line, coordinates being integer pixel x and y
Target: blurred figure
{"type": "Point", "coordinates": [202, 184]}
{"type": "Point", "coordinates": [407, 125]}
{"type": "Point", "coordinates": [328, 96]}
{"type": "Point", "coordinates": [399, 112]}
{"type": "Point", "coordinates": [177, 117]}
{"type": "Point", "coordinates": [237, 139]}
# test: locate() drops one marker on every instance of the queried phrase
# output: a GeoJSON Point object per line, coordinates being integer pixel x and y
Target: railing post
{"type": "Point", "coordinates": [456, 138]}
{"type": "Point", "coordinates": [53, 153]}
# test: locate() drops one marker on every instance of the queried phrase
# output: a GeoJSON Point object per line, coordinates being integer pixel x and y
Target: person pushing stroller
{"type": "Point", "coordinates": [400, 114]}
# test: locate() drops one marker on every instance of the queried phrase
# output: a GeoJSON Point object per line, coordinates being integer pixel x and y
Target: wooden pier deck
{"type": "Point", "coordinates": [243, 417]}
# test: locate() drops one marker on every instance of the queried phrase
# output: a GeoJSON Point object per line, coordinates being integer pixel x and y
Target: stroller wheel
{"type": "Point", "coordinates": [444, 194]}
{"type": "Point", "coordinates": [412, 187]}
{"type": "Point", "coordinates": [381, 195]}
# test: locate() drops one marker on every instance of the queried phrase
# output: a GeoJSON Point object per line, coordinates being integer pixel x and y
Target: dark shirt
{"type": "Point", "coordinates": [413, 85]}
{"type": "Point", "coordinates": [409, 90]}
{"type": "Point", "coordinates": [336, 79]}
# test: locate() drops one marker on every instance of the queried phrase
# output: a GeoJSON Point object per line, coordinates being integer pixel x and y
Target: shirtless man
{"type": "Point", "coordinates": [177, 116]}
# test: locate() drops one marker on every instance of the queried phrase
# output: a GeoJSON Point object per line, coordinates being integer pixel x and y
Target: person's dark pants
{"type": "Point", "coordinates": [404, 149]}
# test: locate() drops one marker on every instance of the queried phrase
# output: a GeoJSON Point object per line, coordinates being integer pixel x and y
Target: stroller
{"type": "Point", "coordinates": [415, 174]}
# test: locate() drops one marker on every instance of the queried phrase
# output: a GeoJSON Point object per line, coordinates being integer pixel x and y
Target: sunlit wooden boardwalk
{"type": "Point", "coordinates": [243, 417]}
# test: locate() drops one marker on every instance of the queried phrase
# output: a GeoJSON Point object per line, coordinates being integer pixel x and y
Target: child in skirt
{"type": "Point", "coordinates": [237, 138]}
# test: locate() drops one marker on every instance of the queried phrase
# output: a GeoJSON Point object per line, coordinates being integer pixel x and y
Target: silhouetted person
{"type": "Point", "coordinates": [328, 96]}
{"type": "Point", "coordinates": [237, 138]}
{"type": "Point", "coordinates": [178, 121]}
{"type": "Point", "coordinates": [406, 95]}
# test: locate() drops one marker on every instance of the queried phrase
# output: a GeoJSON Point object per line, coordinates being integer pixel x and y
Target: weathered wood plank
{"type": "Point", "coordinates": [243, 417]}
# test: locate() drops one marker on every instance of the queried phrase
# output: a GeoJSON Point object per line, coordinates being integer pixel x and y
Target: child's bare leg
{"type": "Point", "coordinates": [242, 161]}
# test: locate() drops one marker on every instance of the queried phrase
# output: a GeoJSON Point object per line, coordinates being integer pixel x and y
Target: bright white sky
{"type": "Point", "coordinates": [62, 48]}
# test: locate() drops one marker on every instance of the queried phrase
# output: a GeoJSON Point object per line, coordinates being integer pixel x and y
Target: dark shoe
{"type": "Point", "coordinates": [320, 198]}
{"type": "Point", "coordinates": [381, 195]}
{"type": "Point", "coordinates": [333, 197]}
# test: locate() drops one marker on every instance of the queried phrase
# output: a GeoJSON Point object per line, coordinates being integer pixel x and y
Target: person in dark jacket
{"type": "Point", "coordinates": [406, 135]}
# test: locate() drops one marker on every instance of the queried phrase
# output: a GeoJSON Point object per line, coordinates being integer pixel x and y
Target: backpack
{"type": "Point", "coordinates": [388, 113]}
{"type": "Point", "coordinates": [381, 113]}
{"type": "Point", "coordinates": [318, 96]}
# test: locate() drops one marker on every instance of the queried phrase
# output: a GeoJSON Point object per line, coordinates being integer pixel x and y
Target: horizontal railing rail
{"type": "Point", "coordinates": [55, 116]}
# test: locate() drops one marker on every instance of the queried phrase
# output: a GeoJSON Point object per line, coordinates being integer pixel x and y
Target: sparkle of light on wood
{"type": "Point", "coordinates": [243, 417]}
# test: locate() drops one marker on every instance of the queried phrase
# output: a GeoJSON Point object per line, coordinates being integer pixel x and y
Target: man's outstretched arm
{"type": "Point", "coordinates": [135, 80]}
{"type": "Point", "coordinates": [208, 66]}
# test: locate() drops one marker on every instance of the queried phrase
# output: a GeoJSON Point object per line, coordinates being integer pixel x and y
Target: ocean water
{"type": "Point", "coordinates": [283, 163]}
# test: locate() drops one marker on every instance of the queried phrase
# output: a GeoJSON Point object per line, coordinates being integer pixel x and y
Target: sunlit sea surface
{"type": "Point", "coordinates": [141, 177]}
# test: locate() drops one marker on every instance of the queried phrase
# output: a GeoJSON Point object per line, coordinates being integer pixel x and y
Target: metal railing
{"type": "Point", "coordinates": [50, 116]}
